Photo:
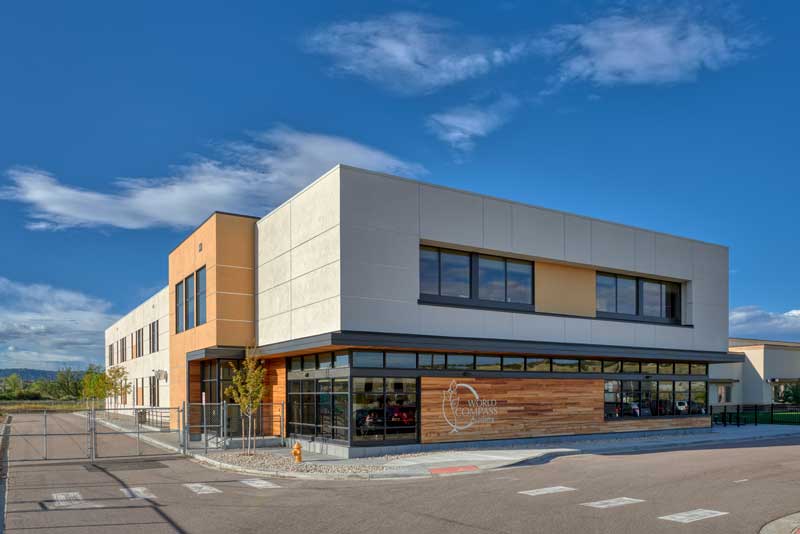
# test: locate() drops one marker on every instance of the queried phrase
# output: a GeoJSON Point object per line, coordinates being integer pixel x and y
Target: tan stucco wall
{"type": "Point", "coordinates": [564, 289]}
{"type": "Point", "coordinates": [228, 256]}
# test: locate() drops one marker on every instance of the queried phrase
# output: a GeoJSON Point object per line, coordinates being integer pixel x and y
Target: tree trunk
{"type": "Point", "coordinates": [241, 417]}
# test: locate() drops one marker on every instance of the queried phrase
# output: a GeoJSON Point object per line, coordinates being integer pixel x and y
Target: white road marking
{"type": "Point", "coordinates": [138, 493]}
{"type": "Point", "coordinates": [547, 491]}
{"type": "Point", "coordinates": [693, 515]}
{"type": "Point", "coordinates": [202, 489]}
{"type": "Point", "coordinates": [259, 483]}
{"type": "Point", "coordinates": [72, 500]}
{"type": "Point", "coordinates": [741, 480]}
{"type": "Point", "coordinates": [612, 503]}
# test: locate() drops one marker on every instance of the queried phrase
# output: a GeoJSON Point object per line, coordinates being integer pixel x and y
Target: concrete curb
{"type": "Point", "coordinates": [785, 525]}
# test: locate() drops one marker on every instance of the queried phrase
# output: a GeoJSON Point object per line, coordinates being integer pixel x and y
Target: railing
{"type": "Point", "coordinates": [219, 425]}
{"type": "Point", "coordinates": [755, 414]}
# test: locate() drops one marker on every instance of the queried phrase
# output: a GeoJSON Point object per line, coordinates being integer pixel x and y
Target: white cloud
{"type": "Point", "coordinates": [617, 49]}
{"type": "Point", "coordinates": [409, 53]}
{"type": "Point", "coordinates": [248, 177]}
{"type": "Point", "coordinates": [461, 126]}
{"type": "Point", "coordinates": [44, 327]}
{"type": "Point", "coordinates": [756, 322]}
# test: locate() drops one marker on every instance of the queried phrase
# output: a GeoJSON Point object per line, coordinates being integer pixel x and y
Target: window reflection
{"type": "Point", "coordinates": [491, 278]}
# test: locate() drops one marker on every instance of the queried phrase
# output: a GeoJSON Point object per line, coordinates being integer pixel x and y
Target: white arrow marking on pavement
{"type": "Point", "coordinates": [693, 515]}
{"type": "Point", "coordinates": [202, 489]}
{"type": "Point", "coordinates": [73, 500]}
{"type": "Point", "coordinates": [741, 480]}
{"type": "Point", "coordinates": [259, 483]}
{"type": "Point", "coordinates": [138, 493]}
{"type": "Point", "coordinates": [612, 503]}
{"type": "Point", "coordinates": [547, 491]}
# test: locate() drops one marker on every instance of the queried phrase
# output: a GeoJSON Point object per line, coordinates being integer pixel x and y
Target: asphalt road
{"type": "Point", "coordinates": [751, 484]}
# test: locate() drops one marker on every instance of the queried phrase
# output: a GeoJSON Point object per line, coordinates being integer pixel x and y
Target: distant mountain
{"type": "Point", "coordinates": [29, 375]}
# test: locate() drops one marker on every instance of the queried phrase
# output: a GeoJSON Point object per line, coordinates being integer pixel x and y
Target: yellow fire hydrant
{"type": "Point", "coordinates": [297, 452]}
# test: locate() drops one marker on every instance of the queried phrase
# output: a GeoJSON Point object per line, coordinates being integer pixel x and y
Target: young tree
{"type": "Point", "coordinates": [117, 382]}
{"type": "Point", "coordinates": [95, 384]}
{"type": "Point", "coordinates": [67, 384]}
{"type": "Point", "coordinates": [13, 384]}
{"type": "Point", "coordinates": [247, 390]}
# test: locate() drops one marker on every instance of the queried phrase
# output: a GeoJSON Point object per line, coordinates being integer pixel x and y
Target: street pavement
{"type": "Point", "coordinates": [706, 489]}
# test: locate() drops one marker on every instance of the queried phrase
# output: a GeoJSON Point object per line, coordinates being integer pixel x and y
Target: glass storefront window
{"type": "Point", "coordinates": [565, 366]}
{"type": "Point", "coordinates": [591, 366]}
{"type": "Point", "coordinates": [665, 368]}
{"type": "Point", "coordinates": [431, 361]}
{"type": "Point", "coordinates": [630, 367]}
{"type": "Point", "coordinates": [612, 399]}
{"type": "Point", "coordinates": [681, 398]}
{"type": "Point", "coordinates": [401, 360]}
{"type": "Point", "coordinates": [513, 363]}
{"type": "Point", "coordinates": [309, 362]}
{"type": "Point", "coordinates": [665, 406]}
{"type": "Point", "coordinates": [699, 369]}
{"type": "Point", "coordinates": [699, 398]}
{"type": "Point", "coordinates": [631, 406]}
{"type": "Point", "coordinates": [341, 359]}
{"type": "Point", "coordinates": [612, 367]}
{"type": "Point", "coordinates": [649, 368]}
{"type": "Point", "coordinates": [296, 364]}
{"type": "Point", "coordinates": [488, 363]}
{"type": "Point", "coordinates": [681, 368]}
{"type": "Point", "coordinates": [384, 409]}
{"type": "Point", "coordinates": [538, 365]}
{"type": "Point", "coordinates": [367, 359]}
{"type": "Point", "coordinates": [649, 392]}
{"type": "Point", "coordinates": [401, 408]}
{"type": "Point", "coordinates": [325, 360]}
{"type": "Point", "coordinates": [460, 362]}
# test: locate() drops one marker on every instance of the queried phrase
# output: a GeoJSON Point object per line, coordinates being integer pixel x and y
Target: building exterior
{"type": "Point", "coordinates": [393, 312]}
{"type": "Point", "coordinates": [770, 373]}
{"type": "Point", "coordinates": [139, 342]}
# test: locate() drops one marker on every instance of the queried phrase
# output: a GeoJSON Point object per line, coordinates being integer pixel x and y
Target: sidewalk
{"type": "Point", "coordinates": [277, 462]}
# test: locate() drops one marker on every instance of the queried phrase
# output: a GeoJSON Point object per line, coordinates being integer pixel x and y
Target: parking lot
{"type": "Point", "coordinates": [734, 489]}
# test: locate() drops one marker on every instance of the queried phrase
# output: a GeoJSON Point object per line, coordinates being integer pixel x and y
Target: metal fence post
{"type": "Point", "coordinates": [93, 434]}
{"type": "Point", "coordinates": [182, 423]}
{"type": "Point", "coordinates": [138, 433]}
{"type": "Point", "coordinates": [224, 424]}
{"type": "Point", "coordinates": [44, 437]}
{"type": "Point", "coordinates": [205, 431]}
{"type": "Point", "coordinates": [281, 430]}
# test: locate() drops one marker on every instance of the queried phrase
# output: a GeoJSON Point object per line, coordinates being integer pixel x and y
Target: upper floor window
{"type": "Point", "coordinates": [190, 301]}
{"type": "Point", "coordinates": [179, 315]}
{"type": "Point", "coordinates": [476, 278]}
{"type": "Point", "coordinates": [201, 295]}
{"type": "Point", "coordinates": [189, 288]}
{"type": "Point", "coordinates": [111, 355]}
{"type": "Point", "coordinates": [637, 297]}
{"type": "Point", "coordinates": [153, 335]}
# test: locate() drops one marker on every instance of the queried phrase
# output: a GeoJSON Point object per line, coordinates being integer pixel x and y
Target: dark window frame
{"type": "Point", "coordinates": [639, 316]}
{"type": "Point", "coordinates": [474, 300]}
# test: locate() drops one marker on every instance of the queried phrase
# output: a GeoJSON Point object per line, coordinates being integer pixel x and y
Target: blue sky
{"type": "Point", "coordinates": [122, 125]}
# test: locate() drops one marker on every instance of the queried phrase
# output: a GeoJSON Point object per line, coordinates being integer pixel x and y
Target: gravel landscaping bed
{"type": "Point", "coordinates": [272, 462]}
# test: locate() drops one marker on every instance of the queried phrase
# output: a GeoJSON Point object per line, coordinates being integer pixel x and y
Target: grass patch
{"type": "Point", "coordinates": [7, 407]}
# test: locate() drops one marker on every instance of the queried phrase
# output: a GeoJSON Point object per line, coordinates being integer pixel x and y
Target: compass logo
{"type": "Point", "coordinates": [462, 407]}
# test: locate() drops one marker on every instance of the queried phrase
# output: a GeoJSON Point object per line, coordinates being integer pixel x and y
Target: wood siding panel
{"type": "Point", "coordinates": [523, 408]}
{"type": "Point", "coordinates": [276, 393]}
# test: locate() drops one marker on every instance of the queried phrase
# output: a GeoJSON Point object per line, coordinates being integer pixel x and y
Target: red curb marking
{"type": "Point", "coordinates": [455, 469]}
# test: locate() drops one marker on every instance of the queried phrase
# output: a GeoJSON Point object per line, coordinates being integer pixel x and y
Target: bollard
{"type": "Point", "coordinates": [297, 452]}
